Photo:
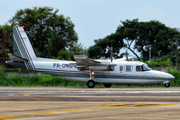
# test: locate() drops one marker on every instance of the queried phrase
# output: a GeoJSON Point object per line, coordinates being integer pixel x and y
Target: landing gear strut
{"type": "Point", "coordinates": [167, 85]}
{"type": "Point", "coordinates": [91, 84]}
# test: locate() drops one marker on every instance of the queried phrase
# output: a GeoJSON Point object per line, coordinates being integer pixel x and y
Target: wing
{"type": "Point", "coordinates": [84, 63]}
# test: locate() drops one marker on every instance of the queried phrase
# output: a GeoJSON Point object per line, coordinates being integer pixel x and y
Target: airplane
{"type": "Point", "coordinates": [84, 69]}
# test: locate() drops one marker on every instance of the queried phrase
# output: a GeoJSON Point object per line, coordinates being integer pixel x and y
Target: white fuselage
{"type": "Point", "coordinates": [123, 72]}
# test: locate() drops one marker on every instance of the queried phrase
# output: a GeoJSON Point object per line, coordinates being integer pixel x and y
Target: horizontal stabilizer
{"type": "Point", "coordinates": [16, 58]}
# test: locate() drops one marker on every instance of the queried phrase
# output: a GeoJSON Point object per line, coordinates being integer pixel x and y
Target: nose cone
{"type": "Point", "coordinates": [171, 77]}
{"type": "Point", "coordinates": [168, 76]}
{"type": "Point", "coordinates": [163, 75]}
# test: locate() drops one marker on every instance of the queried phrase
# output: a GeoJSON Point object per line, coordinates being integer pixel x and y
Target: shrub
{"type": "Point", "coordinates": [15, 80]}
{"type": "Point", "coordinates": [3, 75]}
{"type": "Point", "coordinates": [158, 62]}
{"type": "Point", "coordinates": [46, 79]}
{"type": "Point", "coordinates": [176, 74]}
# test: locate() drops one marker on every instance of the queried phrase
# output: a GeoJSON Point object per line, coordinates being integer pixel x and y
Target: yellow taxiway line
{"type": "Point", "coordinates": [134, 105]}
{"type": "Point", "coordinates": [63, 111]}
{"type": "Point", "coordinates": [13, 117]}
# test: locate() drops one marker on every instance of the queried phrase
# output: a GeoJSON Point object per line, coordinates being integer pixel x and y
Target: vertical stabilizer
{"type": "Point", "coordinates": [16, 50]}
{"type": "Point", "coordinates": [23, 47]}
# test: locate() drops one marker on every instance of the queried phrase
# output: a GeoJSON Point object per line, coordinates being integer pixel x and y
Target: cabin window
{"type": "Point", "coordinates": [128, 68]}
{"type": "Point", "coordinates": [121, 68]}
{"type": "Point", "coordinates": [138, 68]}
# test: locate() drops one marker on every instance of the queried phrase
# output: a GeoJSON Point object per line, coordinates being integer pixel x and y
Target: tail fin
{"type": "Point", "coordinates": [23, 48]}
{"type": "Point", "coordinates": [22, 45]}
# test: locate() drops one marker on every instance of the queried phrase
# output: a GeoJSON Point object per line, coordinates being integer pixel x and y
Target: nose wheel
{"type": "Point", "coordinates": [167, 85]}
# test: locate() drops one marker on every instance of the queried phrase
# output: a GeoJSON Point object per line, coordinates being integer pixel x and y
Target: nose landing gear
{"type": "Point", "coordinates": [167, 85]}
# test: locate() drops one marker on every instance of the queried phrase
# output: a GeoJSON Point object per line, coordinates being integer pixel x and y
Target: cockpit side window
{"type": "Point", "coordinates": [121, 68]}
{"type": "Point", "coordinates": [139, 68]}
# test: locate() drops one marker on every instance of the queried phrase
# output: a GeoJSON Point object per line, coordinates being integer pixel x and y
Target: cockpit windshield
{"type": "Point", "coordinates": [145, 67]}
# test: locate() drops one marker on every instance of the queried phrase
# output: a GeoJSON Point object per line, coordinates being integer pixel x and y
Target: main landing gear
{"type": "Point", "coordinates": [107, 85]}
{"type": "Point", "coordinates": [91, 84]}
{"type": "Point", "coordinates": [167, 85]}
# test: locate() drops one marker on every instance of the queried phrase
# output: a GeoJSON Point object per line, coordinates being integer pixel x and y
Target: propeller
{"type": "Point", "coordinates": [111, 53]}
{"type": "Point", "coordinates": [127, 55]}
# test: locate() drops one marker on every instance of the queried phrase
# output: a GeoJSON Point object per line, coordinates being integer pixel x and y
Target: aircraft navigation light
{"type": "Point", "coordinates": [92, 73]}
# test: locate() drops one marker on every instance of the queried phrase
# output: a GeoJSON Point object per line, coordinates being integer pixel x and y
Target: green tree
{"type": "Point", "coordinates": [6, 42]}
{"type": "Point", "coordinates": [77, 49]}
{"type": "Point", "coordinates": [114, 40]}
{"type": "Point", "coordinates": [63, 54]}
{"type": "Point", "coordinates": [144, 35]}
{"type": "Point", "coordinates": [102, 46]}
{"type": "Point", "coordinates": [48, 31]}
{"type": "Point", "coordinates": [155, 36]}
{"type": "Point", "coordinates": [95, 52]}
{"type": "Point", "coordinates": [129, 30]}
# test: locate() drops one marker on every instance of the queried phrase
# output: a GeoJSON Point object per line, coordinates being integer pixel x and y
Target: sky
{"type": "Point", "coordinates": [96, 19]}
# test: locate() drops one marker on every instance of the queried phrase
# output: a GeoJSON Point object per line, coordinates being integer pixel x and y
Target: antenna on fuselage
{"type": "Point", "coordinates": [127, 55]}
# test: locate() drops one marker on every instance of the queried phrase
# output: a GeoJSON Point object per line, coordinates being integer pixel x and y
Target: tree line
{"type": "Point", "coordinates": [53, 36]}
{"type": "Point", "coordinates": [152, 35]}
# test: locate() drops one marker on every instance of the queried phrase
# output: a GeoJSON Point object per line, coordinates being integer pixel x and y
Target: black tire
{"type": "Point", "coordinates": [91, 84]}
{"type": "Point", "coordinates": [167, 85]}
{"type": "Point", "coordinates": [107, 85]}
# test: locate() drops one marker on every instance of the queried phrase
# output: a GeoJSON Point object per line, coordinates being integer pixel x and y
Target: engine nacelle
{"type": "Point", "coordinates": [98, 68]}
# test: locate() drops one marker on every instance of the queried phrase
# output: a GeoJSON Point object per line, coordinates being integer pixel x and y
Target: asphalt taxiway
{"type": "Point", "coordinates": [57, 103]}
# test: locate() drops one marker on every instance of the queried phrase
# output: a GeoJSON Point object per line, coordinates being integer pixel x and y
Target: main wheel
{"type": "Point", "coordinates": [167, 85]}
{"type": "Point", "coordinates": [107, 85]}
{"type": "Point", "coordinates": [91, 84]}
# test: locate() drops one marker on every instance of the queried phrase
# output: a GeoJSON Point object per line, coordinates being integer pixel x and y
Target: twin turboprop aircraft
{"type": "Point", "coordinates": [84, 69]}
